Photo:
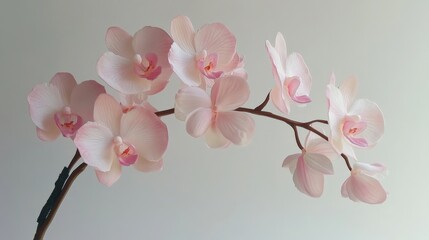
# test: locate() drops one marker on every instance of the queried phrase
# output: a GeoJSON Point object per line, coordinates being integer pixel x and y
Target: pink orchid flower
{"type": "Point", "coordinates": [293, 79]}
{"type": "Point", "coordinates": [309, 166]}
{"type": "Point", "coordinates": [357, 123]}
{"type": "Point", "coordinates": [138, 63]}
{"type": "Point", "coordinates": [62, 106]}
{"type": "Point", "coordinates": [362, 185]}
{"type": "Point", "coordinates": [115, 139]}
{"type": "Point", "coordinates": [214, 116]}
{"type": "Point", "coordinates": [199, 57]}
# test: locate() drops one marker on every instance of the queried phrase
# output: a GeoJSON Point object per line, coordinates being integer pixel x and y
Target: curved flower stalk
{"type": "Point", "coordinates": [62, 106]}
{"type": "Point", "coordinates": [214, 116]}
{"type": "Point", "coordinates": [293, 79]}
{"type": "Point", "coordinates": [310, 166]}
{"type": "Point", "coordinates": [138, 63]}
{"type": "Point", "coordinates": [199, 57]}
{"type": "Point", "coordinates": [363, 185]}
{"type": "Point", "coordinates": [117, 139]}
{"type": "Point", "coordinates": [357, 123]}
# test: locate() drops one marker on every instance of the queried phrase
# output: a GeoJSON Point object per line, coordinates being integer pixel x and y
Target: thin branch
{"type": "Point", "coordinates": [41, 230]}
{"type": "Point", "coordinates": [74, 160]}
{"type": "Point", "coordinates": [264, 103]}
{"type": "Point", "coordinates": [317, 120]}
{"type": "Point", "coordinates": [165, 112]}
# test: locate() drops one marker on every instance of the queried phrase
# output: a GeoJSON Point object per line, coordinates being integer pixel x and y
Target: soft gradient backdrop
{"type": "Point", "coordinates": [235, 193]}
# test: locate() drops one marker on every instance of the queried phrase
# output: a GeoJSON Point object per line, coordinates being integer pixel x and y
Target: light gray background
{"type": "Point", "coordinates": [236, 193]}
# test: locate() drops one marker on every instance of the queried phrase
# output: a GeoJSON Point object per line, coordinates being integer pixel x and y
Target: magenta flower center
{"type": "Point", "coordinates": [126, 152]}
{"type": "Point", "coordinates": [147, 67]}
{"type": "Point", "coordinates": [68, 122]}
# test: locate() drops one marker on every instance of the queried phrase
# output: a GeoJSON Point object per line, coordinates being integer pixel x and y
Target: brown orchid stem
{"type": "Point", "coordinates": [41, 229]}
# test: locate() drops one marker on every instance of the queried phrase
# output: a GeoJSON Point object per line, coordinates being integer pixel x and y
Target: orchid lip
{"type": "Point", "coordinates": [126, 152]}
{"type": "Point", "coordinates": [147, 67]}
{"type": "Point", "coordinates": [68, 122]}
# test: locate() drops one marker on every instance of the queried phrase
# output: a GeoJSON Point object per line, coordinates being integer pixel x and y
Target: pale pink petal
{"type": "Point", "coordinates": [215, 139]}
{"type": "Point", "coordinates": [349, 89]}
{"type": "Point", "coordinates": [229, 93]}
{"type": "Point", "coordinates": [281, 49]}
{"type": "Point", "coordinates": [119, 73]}
{"type": "Point", "coordinates": [235, 65]}
{"type": "Point", "coordinates": [43, 102]}
{"type": "Point", "coordinates": [48, 134]}
{"type": "Point", "coordinates": [319, 162]}
{"type": "Point", "coordinates": [188, 99]}
{"type": "Point", "coordinates": [110, 177]}
{"type": "Point", "coordinates": [83, 99]}
{"type": "Point", "coordinates": [370, 169]}
{"type": "Point", "coordinates": [183, 33]}
{"type": "Point", "coordinates": [198, 121]}
{"type": "Point", "coordinates": [95, 144]}
{"type": "Point", "coordinates": [153, 40]}
{"type": "Point", "coordinates": [149, 166]}
{"type": "Point", "coordinates": [316, 144]}
{"type": "Point", "coordinates": [184, 65]}
{"type": "Point", "coordinates": [146, 132]}
{"type": "Point", "coordinates": [216, 38]}
{"type": "Point", "coordinates": [290, 162]}
{"type": "Point", "coordinates": [277, 65]}
{"type": "Point", "coordinates": [293, 84]}
{"type": "Point", "coordinates": [367, 189]}
{"type": "Point", "coordinates": [308, 180]}
{"type": "Point", "coordinates": [279, 102]}
{"type": "Point", "coordinates": [119, 42]}
{"type": "Point", "coordinates": [65, 83]}
{"type": "Point", "coordinates": [370, 114]}
{"type": "Point", "coordinates": [108, 112]}
{"type": "Point", "coordinates": [160, 83]}
{"type": "Point", "coordinates": [295, 66]}
{"type": "Point", "coordinates": [237, 127]}
{"type": "Point", "coordinates": [336, 114]}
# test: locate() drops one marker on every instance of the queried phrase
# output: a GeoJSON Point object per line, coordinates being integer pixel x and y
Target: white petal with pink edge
{"type": "Point", "coordinates": [308, 180]}
{"type": "Point", "coordinates": [237, 127]}
{"type": "Point", "coordinates": [290, 162]}
{"type": "Point", "coordinates": [146, 132]}
{"type": "Point", "coordinates": [361, 187]}
{"type": "Point", "coordinates": [281, 49]}
{"type": "Point", "coordinates": [215, 139]}
{"type": "Point", "coordinates": [65, 83]}
{"type": "Point", "coordinates": [95, 144]}
{"type": "Point", "coordinates": [318, 162]}
{"type": "Point", "coordinates": [276, 96]}
{"type": "Point", "coordinates": [144, 165]}
{"type": "Point", "coordinates": [295, 66]}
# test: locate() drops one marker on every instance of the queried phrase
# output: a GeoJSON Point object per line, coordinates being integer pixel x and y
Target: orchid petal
{"type": "Point", "coordinates": [229, 93]}
{"type": "Point", "coordinates": [308, 180]}
{"type": "Point", "coordinates": [370, 114]}
{"type": "Point", "coordinates": [153, 40]}
{"type": "Point", "coordinates": [119, 42]}
{"type": "Point", "coordinates": [198, 121]}
{"type": "Point", "coordinates": [215, 139]}
{"type": "Point", "coordinates": [65, 83]}
{"type": "Point", "coordinates": [290, 162]}
{"type": "Point", "coordinates": [349, 90]}
{"type": "Point", "coordinates": [281, 49]}
{"type": "Point", "coordinates": [110, 177]}
{"type": "Point", "coordinates": [319, 162]}
{"type": "Point", "coordinates": [295, 66]}
{"type": "Point", "coordinates": [48, 134]}
{"type": "Point", "coordinates": [278, 67]}
{"type": "Point", "coordinates": [83, 98]}
{"type": "Point", "coordinates": [44, 101]}
{"type": "Point", "coordinates": [119, 73]}
{"type": "Point", "coordinates": [95, 144]}
{"type": "Point", "coordinates": [188, 99]}
{"type": "Point", "coordinates": [237, 127]}
{"type": "Point", "coordinates": [293, 85]}
{"type": "Point", "coordinates": [184, 65]}
{"type": "Point", "coordinates": [108, 112]}
{"type": "Point", "coordinates": [183, 33]}
{"type": "Point", "coordinates": [146, 132]}
{"type": "Point", "coordinates": [216, 38]}
{"type": "Point", "coordinates": [144, 165]}
{"type": "Point", "coordinates": [276, 96]}
{"type": "Point", "coordinates": [367, 189]}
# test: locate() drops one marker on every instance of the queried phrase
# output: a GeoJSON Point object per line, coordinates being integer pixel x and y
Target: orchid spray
{"type": "Point", "coordinates": [112, 133]}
